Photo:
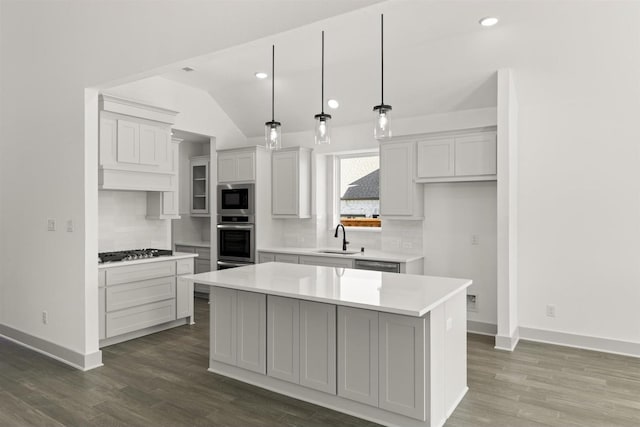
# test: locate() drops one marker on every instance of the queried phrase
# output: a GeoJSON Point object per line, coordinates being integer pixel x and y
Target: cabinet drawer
{"type": "Point", "coordinates": [140, 317]}
{"type": "Point", "coordinates": [202, 265]}
{"type": "Point", "coordinates": [138, 293]}
{"type": "Point", "coordinates": [291, 259]}
{"type": "Point", "coordinates": [102, 330]}
{"type": "Point", "coordinates": [184, 266]}
{"type": "Point", "coordinates": [203, 253]}
{"type": "Point", "coordinates": [134, 273]}
{"type": "Point", "coordinates": [102, 278]}
{"type": "Point", "coordinates": [266, 257]}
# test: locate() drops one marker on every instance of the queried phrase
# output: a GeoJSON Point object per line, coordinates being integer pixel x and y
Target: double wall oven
{"type": "Point", "coordinates": [236, 225]}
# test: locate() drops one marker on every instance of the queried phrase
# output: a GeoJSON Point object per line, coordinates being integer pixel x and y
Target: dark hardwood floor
{"type": "Point", "coordinates": [161, 380]}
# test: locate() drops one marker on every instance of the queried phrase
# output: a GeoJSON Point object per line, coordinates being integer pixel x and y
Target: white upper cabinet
{"type": "Point", "coordinates": [200, 185]}
{"type": "Point", "coordinates": [399, 195]}
{"type": "Point", "coordinates": [136, 150]}
{"type": "Point", "coordinates": [476, 154]}
{"type": "Point", "coordinates": [291, 183]}
{"type": "Point", "coordinates": [165, 204]}
{"type": "Point", "coordinates": [237, 165]}
{"type": "Point", "coordinates": [467, 157]}
{"type": "Point", "coordinates": [436, 157]}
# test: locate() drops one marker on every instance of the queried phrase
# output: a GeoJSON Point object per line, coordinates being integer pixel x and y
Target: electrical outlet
{"type": "Point", "coordinates": [45, 317]}
{"type": "Point", "coordinates": [475, 239]}
{"type": "Point", "coordinates": [69, 226]}
{"type": "Point", "coordinates": [472, 302]}
{"type": "Point", "coordinates": [51, 224]}
{"type": "Point", "coordinates": [551, 310]}
{"type": "Point", "coordinates": [407, 245]}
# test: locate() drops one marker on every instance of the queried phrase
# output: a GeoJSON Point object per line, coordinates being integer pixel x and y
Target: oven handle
{"type": "Point", "coordinates": [233, 264]}
{"type": "Point", "coordinates": [235, 226]}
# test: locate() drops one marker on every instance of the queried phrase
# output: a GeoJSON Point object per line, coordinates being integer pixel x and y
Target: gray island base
{"type": "Point", "coordinates": [386, 347]}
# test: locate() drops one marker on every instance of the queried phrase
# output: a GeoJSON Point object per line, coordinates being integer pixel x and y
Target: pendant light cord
{"type": "Point", "coordinates": [273, 78]}
{"type": "Point", "coordinates": [322, 95]}
{"type": "Point", "coordinates": [382, 58]}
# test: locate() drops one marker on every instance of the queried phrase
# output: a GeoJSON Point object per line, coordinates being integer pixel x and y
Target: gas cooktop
{"type": "Point", "coordinates": [131, 255]}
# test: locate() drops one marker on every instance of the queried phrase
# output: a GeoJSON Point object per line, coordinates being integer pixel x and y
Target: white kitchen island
{"type": "Point", "coordinates": [386, 347]}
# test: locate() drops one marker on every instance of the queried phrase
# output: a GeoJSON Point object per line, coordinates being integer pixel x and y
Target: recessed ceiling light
{"type": "Point", "coordinates": [260, 75]}
{"type": "Point", "coordinates": [332, 103]}
{"type": "Point", "coordinates": [488, 21]}
{"type": "Point", "coordinates": [187, 69]}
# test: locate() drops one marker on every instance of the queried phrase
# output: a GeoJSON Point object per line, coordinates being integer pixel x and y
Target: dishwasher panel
{"type": "Point", "coordinates": [386, 266]}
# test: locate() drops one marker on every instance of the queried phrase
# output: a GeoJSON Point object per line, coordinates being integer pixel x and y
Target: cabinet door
{"type": "Point", "coordinates": [401, 365]}
{"type": "Point", "coordinates": [222, 325]}
{"type": "Point", "coordinates": [202, 265]}
{"type": "Point", "coordinates": [170, 202]}
{"type": "Point", "coordinates": [200, 186]}
{"type": "Point", "coordinates": [396, 178]}
{"type": "Point", "coordinates": [476, 154]}
{"type": "Point", "coordinates": [246, 166]}
{"type": "Point", "coordinates": [102, 310]}
{"type": "Point", "coordinates": [285, 181]}
{"type": "Point", "coordinates": [227, 167]}
{"type": "Point", "coordinates": [266, 257]}
{"type": "Point", "coordinates": [288, 258]}
{"type": "Point", "coordinates": [436, 158]}
{"type": "Point", "coordinates": [283, 338]}
{"type": "Point", "coordinates": [149, 154]}
{"type": "Point", "coordinates": [358, 355]}
{"type": "Point", "coordinates": [251, 330]}
{"type": "Point", "coordinates": [326, 261]}
{"type": "Point", "coordinates": [184, 298]}
{"type": "Point", "coordinates": [128, 143]}
{"type": "Point", "coordinates": [318, 346]}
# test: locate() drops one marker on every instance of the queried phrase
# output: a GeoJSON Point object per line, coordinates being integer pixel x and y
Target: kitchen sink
{"type": "Point", "coordinates": [336, 251]}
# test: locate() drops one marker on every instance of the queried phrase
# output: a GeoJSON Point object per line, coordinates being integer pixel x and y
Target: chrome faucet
{"type": "Point", "coordinates": [344, 237]}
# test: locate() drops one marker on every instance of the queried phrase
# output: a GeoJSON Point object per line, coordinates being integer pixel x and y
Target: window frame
{"type": "Point", "coordinates": [335, 194]}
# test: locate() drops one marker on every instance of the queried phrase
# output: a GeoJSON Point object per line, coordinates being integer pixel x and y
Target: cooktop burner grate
{"type": "Point", "coordinates": [131, 254]}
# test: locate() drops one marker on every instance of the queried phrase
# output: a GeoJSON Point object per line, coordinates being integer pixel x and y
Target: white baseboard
{"type": "Point", "coordinates": [508, 343]}
{"type": "Point", "coordinates": [586, 342]}
{"type": "Point", "coordinates": [481, 328]}
{"type": "Point", "coordinates": [84, 362]}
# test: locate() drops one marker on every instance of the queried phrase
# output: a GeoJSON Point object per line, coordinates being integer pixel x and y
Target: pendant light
{"type": "Point", "coordinates": [272, 130]}
{"type": "Point", "coordinates": [322, 131]}
{"type": "Point", "coordinates": [382, 129]}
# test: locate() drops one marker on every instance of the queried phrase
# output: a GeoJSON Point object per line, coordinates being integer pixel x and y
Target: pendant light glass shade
{"type": "Point", "coordinates": [273, 135]}
{"type": "Point", "coordinates": [322, 128]}
{"type": "Point", "coordinates": [273, 129]}
{"type": "Point", "coordinates": [382, 128]}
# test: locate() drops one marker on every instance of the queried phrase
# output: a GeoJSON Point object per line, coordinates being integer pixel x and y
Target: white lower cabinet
{"type": "Point", "coordinates": [283, 338]}
{"type": "Point", "coordinates": [318, 346]}
{"type": "Point", "coordinates": [238, 328]}
{"type": "Point", "coordinates": [301, 346]}
{"type": "Point", "coordinates": [136, 300]}
{"type": "Point", "coordinates": [401, 357]}
{"type": "Point", "coordinates": [102, 303]}
{"type": "Point", "coordinates": [325, 261]}
{"type": "Point", "coordinates": [184, 297]}
{"type": "Point", "coordinates": [358, 355]}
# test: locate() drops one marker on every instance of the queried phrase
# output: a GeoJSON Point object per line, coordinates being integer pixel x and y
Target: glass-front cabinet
{"type": "Point", "coordinates": [200, 185]}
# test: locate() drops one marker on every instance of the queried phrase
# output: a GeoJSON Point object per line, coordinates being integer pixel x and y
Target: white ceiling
{"type": "Point", "coordinates": [437, 59]}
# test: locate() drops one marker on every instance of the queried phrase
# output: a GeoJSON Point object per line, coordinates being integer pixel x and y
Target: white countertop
{"type": "Point", "coordinates": [196, 243]}
{"type": "Point", "coordinates": [406, 294]}
{"type": "Point", "coordinates": [175, 256]}
{"type": "Point", "coordinates": [368, 254]}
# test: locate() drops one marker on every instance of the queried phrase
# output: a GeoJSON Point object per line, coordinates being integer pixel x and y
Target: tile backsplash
{"type": "Point", "coordinates": [122, 223]}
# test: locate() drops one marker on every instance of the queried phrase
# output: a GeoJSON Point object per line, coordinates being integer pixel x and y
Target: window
{"type": "Point", "coordinates": [359, 188]}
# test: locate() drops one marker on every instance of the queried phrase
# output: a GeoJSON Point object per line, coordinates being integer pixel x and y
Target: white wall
{"type": "Point", "coordinates": [454, 212]}
{"type": "Point", "coordinates": [395, 236]}
{"type": "Point", "coordinates": [198, 111]}
{"type": "Point", "coordinates": [50, 52]}
{"type": "Point", "coordinates": [122, 223]}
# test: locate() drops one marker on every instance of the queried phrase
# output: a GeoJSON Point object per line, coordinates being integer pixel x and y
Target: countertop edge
{"type": "Point", "coordinates": [375, 256]}
{"type": "Point", "coordinates": [175, 256]}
